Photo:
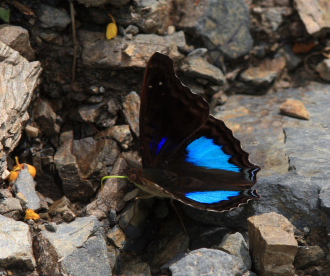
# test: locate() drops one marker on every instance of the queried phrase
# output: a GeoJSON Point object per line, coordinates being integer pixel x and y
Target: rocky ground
{"type": "Point", "coordinates": [70, 104]}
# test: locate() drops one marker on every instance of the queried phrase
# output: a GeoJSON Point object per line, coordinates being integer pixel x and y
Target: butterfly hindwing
{"type": "Point", "coordinates": [188, 154]}
{"type": "Point", "coordinates": [214, 149]}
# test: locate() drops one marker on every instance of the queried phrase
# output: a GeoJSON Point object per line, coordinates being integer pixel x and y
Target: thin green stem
{"type": "Point", "coordinates": [113, 176]}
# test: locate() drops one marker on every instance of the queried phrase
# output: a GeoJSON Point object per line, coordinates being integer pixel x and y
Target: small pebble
{"type": "Point", "coordinates": [131, 29]}
{"type": "Point", "coordinates": [295, 109]}
{"type": "Point", "coordinates": [31, 131]}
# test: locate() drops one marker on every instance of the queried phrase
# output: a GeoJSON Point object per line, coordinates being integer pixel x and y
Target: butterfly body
{"type": "Point", "coordinates": [187, 154]}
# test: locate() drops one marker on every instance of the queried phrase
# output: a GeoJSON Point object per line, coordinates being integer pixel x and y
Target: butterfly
{"type": "Point", "coordinates": [187, 154]}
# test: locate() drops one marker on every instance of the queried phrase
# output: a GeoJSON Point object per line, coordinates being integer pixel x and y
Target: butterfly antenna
{"type": "Point", "coordinates": [180, 218]}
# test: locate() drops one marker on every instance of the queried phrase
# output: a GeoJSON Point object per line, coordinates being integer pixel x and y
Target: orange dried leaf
{"type": "Point", "coordinates": [13, 175]}
{"type": "Point", "coordinates": [112, 29]}
{"type": "Point", "coordinates": [32, 170]}
{"type": "Point", "coordinates": [31, 214]}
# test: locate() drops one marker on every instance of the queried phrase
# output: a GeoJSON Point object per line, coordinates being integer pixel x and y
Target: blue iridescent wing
{"type": "Point", "coordinates": [187, 153]}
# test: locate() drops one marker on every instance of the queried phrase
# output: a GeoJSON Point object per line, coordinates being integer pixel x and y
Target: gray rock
{"type": "Point", "coordinates": [98, 52]}
{"type": "Point", "coordinates": [89, 259]}
{"type": "Point", "coordinates": [112, 217]}
{"type": "Point", "coordinates": [113, 108]}
{"type": "Point", "coordinates": [20, 78]}
{"type": "Point", "coordinates": [114, 258]}
{"type": "Point", "coordinates": [44, 201]}
{"type": "Point", "coordinates": [68, 170]}
{"type": "Point", "coordinates": [206, 236]}
{"type": "Point", "coordinates": [197, 67]}
{"type": "Point", "coordinates": [78, 161]}
{"type": "Point", "coordinates": [51, 227]}
{"type": "Point", "coordinates": [69, 216]}
{"type": "Point", "coordinates": [257, 80]}
{"type": "Point", "coordinates": [134, 268]}
{"type": "Point", "coordinates": [131, 29]}
{"type": "Point", "coordinates": [208, 262]}
{"type": "Point", "coordinates": [314, 14]}
{"type": "Point", "coordinates": [121, 134]}
{"type": "Point", "coordinates": [11, 207]}
{"type": "Point", "coordinates": [209, 20]}
{"type": "Point", "coordinates": [168, 250]}
{"type": "Point", "coordinates": [323, 68]}
{"type": "Point", "coordinates": [112, 194]}
{"type": "Point", "coordinates": [235, 244]}
{"type": "Point", "coordinates": [25, 188]}
{"type": "Point", "coordinates": [117, 237]}
{"type": "Point", "coordinates": [138, 246]}
{"type": "Point", "coordinates": [45, 116]}
{"type": "Point", "coordinates": [51, 17]}
{"type": "Point", "coordinates": [291, 177]}
{"type": "Point", "coordinates": [131, 110]}
{"type": "Point", "coordinates": [5, 193]}
{"type": "Point", "coordinates": [18, 39]}
{"type": "Point", "coordinates": [152, 16]}
{"type": "Point", "coordinates": [324, 197]}
{"type": "Point", "coordinates": [119, 53]}
{"type": "Point", "coordinates": [95, 113]}
{"type": "Point", "coordinates": [77, 248]}
{"type": "Point", "coordinates": [133, 218]}
{"type": "Point", "coordinates": [51, 37]}
{"type": "Point", "coordinates": [109, 118]}
{"type": "Point", "coordinates": [270, 18]}
{"type": "Point", "coordinates": [292, 60]}
{"type": "Point", "coordinates": [258, 77]}
{"type": "Point", "coordinates": [42, 160]}
{"type": "Point", "coordinates": [194, 86]}
{"type": "Point", "coordinates": [274, 16]}
{"type": "Point", "coordinates": [272, 241]}
{"type": "Point", "coordinates": [199, 52]}
{"type": "Point", "coordinates": [9, 204]}
{"type": "Point", "coordinates": [16, 245]}
{"type": "Point", "coordinates": [60, 206]}
{"type": "Point", "coordinates": [308, 256]}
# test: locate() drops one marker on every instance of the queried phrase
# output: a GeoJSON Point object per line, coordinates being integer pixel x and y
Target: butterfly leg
{"type": "Point", "coordinates": [132, 194]}
{"type": "Point", "coordinates": [180, 218]}
{"type": "Point", "coordinates": [143, 195]}
{"type": "Point", "coordinates": [132, 213]}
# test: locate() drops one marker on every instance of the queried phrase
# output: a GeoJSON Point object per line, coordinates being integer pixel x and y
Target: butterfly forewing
{"type": "Point", "coordinates": [169, 112]}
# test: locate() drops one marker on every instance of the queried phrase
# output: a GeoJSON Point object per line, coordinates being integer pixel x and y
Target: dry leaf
{"type": "Point", "coordinates": [112, 29]}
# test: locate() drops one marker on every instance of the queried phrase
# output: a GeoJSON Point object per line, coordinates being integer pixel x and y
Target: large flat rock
{"type": "Point", "coordinates": [293, 155]}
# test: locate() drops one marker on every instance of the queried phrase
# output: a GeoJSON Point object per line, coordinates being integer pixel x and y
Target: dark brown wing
{"type": "Point", "coordinates": [187, 153]}
{"type": "Point", "coordinates": [169, 112]}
